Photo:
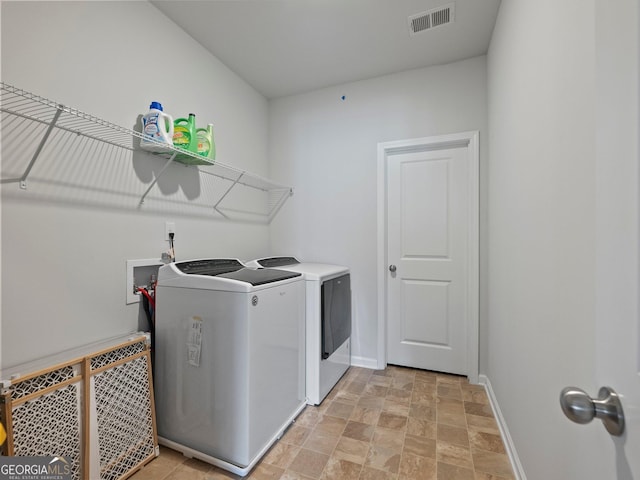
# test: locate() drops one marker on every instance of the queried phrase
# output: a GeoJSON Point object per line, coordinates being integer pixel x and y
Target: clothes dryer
{"type": "Point", "coordinates": [229, 359]}
{"type": "Point", "coordinates": [328, 321]}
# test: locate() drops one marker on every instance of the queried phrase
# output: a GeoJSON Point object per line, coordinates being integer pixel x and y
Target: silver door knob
{"type": "Point", "coordinates": [392, 268]}
{"type": "Point", "coordinates": [581, 408]}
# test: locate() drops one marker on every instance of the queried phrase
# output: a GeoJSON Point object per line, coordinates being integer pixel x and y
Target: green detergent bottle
{"type": "Point", "coordinates": [206, 144]}
{"type": "Point", "coordinates": [184, 134]}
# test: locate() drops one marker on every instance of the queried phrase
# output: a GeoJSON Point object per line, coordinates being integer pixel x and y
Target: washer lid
{"type": "Point", "coordinates": [259, 276]}
{"type": "Point", "coordinates": [277, 261]}
{"type": "Point", "coordinates": [233, 270]}
{"type": "Point", "coordinates": [212, 267]}
{"type": "Point", "coordinates": [310, 271]}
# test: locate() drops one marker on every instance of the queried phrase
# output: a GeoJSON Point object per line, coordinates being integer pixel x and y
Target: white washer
{"type": "Point", "coordinates": [229, 359]}
{"type": "Point", "coordinates": [328, 320]}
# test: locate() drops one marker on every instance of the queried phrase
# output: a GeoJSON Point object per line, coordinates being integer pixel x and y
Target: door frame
{"type": "Point", "coordinates": [470, 140]}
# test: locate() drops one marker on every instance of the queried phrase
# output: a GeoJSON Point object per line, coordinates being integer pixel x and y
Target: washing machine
{"type": "Point", "coordinates": [230, 356]}
{"type": "Point", "coordinates": [328, 321]}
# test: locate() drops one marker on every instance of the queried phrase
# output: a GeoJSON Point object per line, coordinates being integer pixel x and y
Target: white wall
{"type": "Point", "coordinates": [327, 148]}
{"type": "Point", "coordinates": [65, 240]}
{"type": "Point", "coordinates": [0, 217]}
{"type": "Point", "coordinates": [541, 312]}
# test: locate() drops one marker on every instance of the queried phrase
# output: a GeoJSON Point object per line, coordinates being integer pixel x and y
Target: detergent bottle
{"type": "Point", "coordinates": [184, 133]}
{"type": "Point", "coordinates": [157, 129]}
{"type": "Point", "coordinates": [206, 144]}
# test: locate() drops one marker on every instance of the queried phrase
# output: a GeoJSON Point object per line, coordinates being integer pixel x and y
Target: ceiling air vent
{"type": "Point", "coordinates": [421, 22]}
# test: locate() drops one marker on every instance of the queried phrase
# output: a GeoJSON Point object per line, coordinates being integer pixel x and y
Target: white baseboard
{"type": "Point", "coordinates": [364, 362]}
{"type": "Point", "coordinates": [504, 431]}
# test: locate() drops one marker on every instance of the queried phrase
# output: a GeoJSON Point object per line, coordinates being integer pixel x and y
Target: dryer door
{"type": "Point", "coordinates": [336, 313]}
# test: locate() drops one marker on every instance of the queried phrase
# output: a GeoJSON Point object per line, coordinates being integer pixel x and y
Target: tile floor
{"type": "Point", "coordinates": [397, 423]}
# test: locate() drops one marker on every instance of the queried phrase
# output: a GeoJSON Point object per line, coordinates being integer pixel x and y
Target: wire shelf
{"type": "Point", "coordinates": [28, 106]}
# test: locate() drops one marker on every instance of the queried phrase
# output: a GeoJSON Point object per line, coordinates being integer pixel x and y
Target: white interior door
{"type": "Point", "coordinates": [617, 334]}
{"type": "Point", "coordinates": [431, 255]}
{"type": "Point", "coordinates": [617, 246]}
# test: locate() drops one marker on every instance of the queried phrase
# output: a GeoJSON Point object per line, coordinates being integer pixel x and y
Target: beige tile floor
{"type": "Point", "coordinates": [397, 423]}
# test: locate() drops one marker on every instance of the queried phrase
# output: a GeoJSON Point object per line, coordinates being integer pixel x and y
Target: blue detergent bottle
{"type": "Point", "coordinates": [157, 129]}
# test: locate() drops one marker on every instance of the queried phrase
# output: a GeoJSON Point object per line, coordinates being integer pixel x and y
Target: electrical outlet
{"type": "Point", "coordinates": [169, 227]}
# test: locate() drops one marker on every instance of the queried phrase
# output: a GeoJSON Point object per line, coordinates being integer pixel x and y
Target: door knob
{"type": "Point", "coordinates": [581, 408]}
{"type": "Point", "coordinates": [392, 268]}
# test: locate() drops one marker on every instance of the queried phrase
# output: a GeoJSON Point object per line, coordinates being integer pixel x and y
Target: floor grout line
{"type": "Point", "coordinates": [438, 394]}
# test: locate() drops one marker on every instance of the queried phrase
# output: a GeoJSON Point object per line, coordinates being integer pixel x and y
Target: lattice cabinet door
{"type": "Point", "coordinates": [96, 410]}
{"type": "Point", "coordinates": [43, 415]}
{"type": "Point", "coordinates": [121, 389]}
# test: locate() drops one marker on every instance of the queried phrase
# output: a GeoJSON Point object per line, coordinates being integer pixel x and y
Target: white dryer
{"type": "Point", "coordinates": [328, 321]}
{"type": "Point", "coordinates": [229, 359]}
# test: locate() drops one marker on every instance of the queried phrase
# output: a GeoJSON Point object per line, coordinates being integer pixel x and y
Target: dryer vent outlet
{"type": "Point", "coordinates": [437, 17]}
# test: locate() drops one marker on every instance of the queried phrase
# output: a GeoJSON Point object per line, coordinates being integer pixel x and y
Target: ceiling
{"type": "Point", "coordinates": [284, 47]}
